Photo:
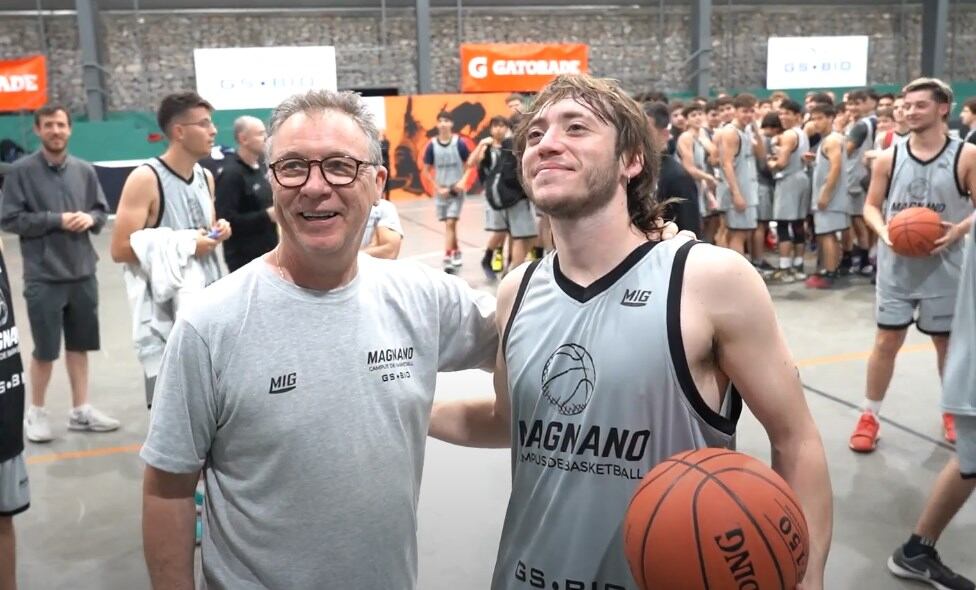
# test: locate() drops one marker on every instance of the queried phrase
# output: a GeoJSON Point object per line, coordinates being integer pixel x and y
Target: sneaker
{"type": "Point", "coordinates": [929, 569]}
{"type": "Point", "coordinates": [497, 262]}
{"type": "Point", "coordinates": [949, 428]}
{"type": "Point", "coordinates": [765, 269]}
{"type": "Point", "coordinates": [798, 273]}
{"type": "Point", "coordinates": [819, 281]}
{"type": "Point", "coordinates": [487, 267]}
{"type": "Point", "coordinates": [456, 259]}
{"type": "Point", "coordinates": [448, 264]}
{"type": "Point", "coordinates": [845, 268]}
{"type": "Point", "coordinates": [865, 437]}
{"type": "Point", "coordinates": [91, 420]}
{"type": "Point", "coordinates": [782, 276]}
{"type": "Point", "coordinates": [37, 427]}
{"type": "Point", "coordinates": [866, 270]}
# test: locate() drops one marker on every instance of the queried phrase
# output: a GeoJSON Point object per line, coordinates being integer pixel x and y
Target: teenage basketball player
{"type": "Point", "coordinates": [739, 149]}
{"type": "Point", "coordinates": [694, 150]}
{"type": "Point", "coordinates": [831, 201]}
{"type": "Point", "coordinates": [790, 196]}
{"type": "Point", "coordinates": [564, 383]}
{"type": "Point", "coordinates": [860, 139]}
{"type": "Point", "coordinates": [929, 170]}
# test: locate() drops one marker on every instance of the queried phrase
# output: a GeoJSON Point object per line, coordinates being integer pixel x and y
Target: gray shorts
{"type": "Point", "coordinates": [790, 196]}
{"type": "Point", "coordinates": [14, 486]}
{"type": "Point", "coordinates": [449, 207]}
{"type": "Point", "coordinates": [724, 198]}
{"type": "Point", "coordinates": [828, 222]}
{"type": "Point", "coordinates": [966, 445]}
{"type": "Point", "coordinates": [517, 220]}
{"type": "Point", "coordinates": [765, 210]}
{"type": "Point", "coordinates": [934, 315]}
{"type": "Point", "coordinates": [71, 307]}
{"type": "Point", "coordinates": [857, 204]}
{"type": "Point", "coordinates": [742, 220]}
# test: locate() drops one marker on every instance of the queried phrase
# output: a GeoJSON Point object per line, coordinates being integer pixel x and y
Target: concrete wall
{"type": "Point", "coordinates": [643, 48]}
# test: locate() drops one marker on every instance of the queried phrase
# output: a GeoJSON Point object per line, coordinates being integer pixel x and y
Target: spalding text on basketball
{"type": "Point", "coordinates": [732, 543]}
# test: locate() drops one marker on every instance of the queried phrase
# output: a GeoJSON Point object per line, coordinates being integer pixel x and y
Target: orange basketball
{"type": "Point", "coordinates": [715, 519]}
{"type": "Point", "coordinates": [913, 231]}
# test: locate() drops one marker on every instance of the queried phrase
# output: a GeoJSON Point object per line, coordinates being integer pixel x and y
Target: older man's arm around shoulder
{"type": "Point", "coordinates": [483, 421]}
{"type": "Point", "coordinates": [729, 323]}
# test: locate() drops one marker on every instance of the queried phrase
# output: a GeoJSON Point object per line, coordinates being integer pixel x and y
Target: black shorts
{"type": "Point", "coordinates": [71, 306]}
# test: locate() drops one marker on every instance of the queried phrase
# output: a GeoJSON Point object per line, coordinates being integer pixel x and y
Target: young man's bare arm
{"type": "Point", "coordinates": [877, 193]}
{"type": "Point", "coordinates": [965, 172]}
{"type": "Point", "coordinates": [385, 244]}
{"type": "Point", "coordinates": [750, 349]}
{"type": "Point", "coordinates": [168, 517]}
{"type": "Point", "coordinates": [686, 152]}
{"type": "Point", "coordinates": [833, 150]}
{"type": "Point", "coordinates": [483, 421]}
{"type": "Point", "coordinates": [728, 146]}
{"type": "Point", "coordinates": [788, 142]}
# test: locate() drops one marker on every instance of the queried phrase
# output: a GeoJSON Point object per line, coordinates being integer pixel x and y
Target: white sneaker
{"type": "Point", "coordinates": [89, 419]}
{"type": "Point", "coordinates": [457, 260]}
{"type": "Point", "coordinates": [37, 427]}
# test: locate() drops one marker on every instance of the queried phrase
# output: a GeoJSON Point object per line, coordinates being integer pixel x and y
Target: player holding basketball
{"type": "Point", "coordinates": [930, 170]}
{"type": "Point", "coordinates": [619, 352]}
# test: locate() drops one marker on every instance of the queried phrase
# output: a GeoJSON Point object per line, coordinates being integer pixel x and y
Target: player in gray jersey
{"type": "Point", "coordinates": [739, 148]}
{"type": "Point", "coordinates": [860, 140]}
{"type": "Point", "coordinates": [830, 197]}
{"type": "Point", "coordinates": [587, 418]}
{"type": "Point", "coordinates": [693, 151]}
{"type": "Point", "coordinates": [929, 170]}
{"type": "Point", "coordinates": [445, 160]}
{"type": "Point", "coordinates": [917, 558]}
{"type": "Point", "coordinates": [791, 194]}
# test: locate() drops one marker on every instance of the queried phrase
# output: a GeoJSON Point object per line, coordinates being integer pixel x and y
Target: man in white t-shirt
{"type": "Point", "coordinates": [384, 233]}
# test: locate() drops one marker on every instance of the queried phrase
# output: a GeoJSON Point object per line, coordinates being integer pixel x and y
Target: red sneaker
{"type": "Point", "coordinates": [819, 281]}
{"type": "Point", "coordinates": [865, 437]}
{"type": "Point", "coordinates": [949, 428]}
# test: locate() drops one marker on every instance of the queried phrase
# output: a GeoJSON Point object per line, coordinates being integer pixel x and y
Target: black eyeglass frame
{"type": "Point", "coordinates": [320, 163]}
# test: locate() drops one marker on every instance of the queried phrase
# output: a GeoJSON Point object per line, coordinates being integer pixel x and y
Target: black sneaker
{"type": "Point", "coordinates": [929, 569]}
{"type": "Point", "coordinates": [489, 271]}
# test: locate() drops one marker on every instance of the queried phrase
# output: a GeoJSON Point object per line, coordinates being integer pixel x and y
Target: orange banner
{"type": "Point", "coordinates": [411, 123]}
{"type": "Point", "coordinates": [518, 67]}
{"type": "Point", "coordinates": [23, 83]}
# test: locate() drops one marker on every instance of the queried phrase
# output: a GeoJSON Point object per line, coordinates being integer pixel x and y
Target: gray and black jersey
{"type": "Point", "coordinates": [448, 161]}
{"type": "Point", "coordinates": [186, 204]}
{"type": "Point", "coordinates": [746, 173]}
{"type": "Point", "coordinates": [601, 392]}
{"type": "Point", "coordinates": [934, 184]}
{"type": "Point", "coordinates": [790, 202]}
{"type": "Point", "coordinates": [959, 383]}
{"type": "Point", "coordinates": [841, 199]}
{"type": "Point", "coordinates": [857, 170]}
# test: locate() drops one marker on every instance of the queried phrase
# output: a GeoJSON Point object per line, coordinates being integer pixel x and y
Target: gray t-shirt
{"type": "Point", "coordinates": [310, 411]}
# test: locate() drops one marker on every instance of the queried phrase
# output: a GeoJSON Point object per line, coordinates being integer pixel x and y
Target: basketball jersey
{"type": "Point", "coordinates": [933, 184]}
{"type": "Point", "coordinates": [841, 199]}
{"type": "Point", "coordinates": [857, 171]}
{"type": "Point", "coordinates": [795, 164]}
{"type": "Point", "coordinates": [11, 375]}
{"type": "Point", "coordinates": [601, 392]}
{"type": "Point", "coordinates": [448, 165]}
{"type": "Point", "coordinates": [959, 383]}
{"type": "Point", "coordinates": [745, 169]}
{"type": "Point", "coordinates": [186, 205]}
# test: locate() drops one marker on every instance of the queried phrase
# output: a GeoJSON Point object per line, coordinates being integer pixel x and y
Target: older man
{"type": "Point", "coordinates": [304, 383]}
{"type": "Point", "coordinates": [243, 197]}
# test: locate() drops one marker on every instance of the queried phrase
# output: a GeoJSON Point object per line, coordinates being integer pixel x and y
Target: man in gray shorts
{"type": "Point", "coordinates": [739, 148]}
{"type": "Point", "coordinates": [444, 166]}
{"type": "Point", "coordinates": [917, 558]}
{"type": "Point", "coordinates": [53, 202]}
{"type": "Point", "coordinates": [929, 170]}
{"type": "Point", "coordinates": [831, 198]}
{"type": "Point", "coordinates": [14, 486]}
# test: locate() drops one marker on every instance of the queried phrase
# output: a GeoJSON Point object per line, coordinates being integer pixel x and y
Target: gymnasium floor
{"type": "Point", "coordinates": [83, 529]}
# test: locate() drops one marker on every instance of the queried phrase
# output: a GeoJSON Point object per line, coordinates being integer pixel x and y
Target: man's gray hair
{"type": "Point", "coordinates": [317, 101]}
{"type": "Point", "coordinates": [242, 123]}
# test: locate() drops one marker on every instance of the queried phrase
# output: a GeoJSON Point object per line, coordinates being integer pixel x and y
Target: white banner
{"type": "Point", "coordinates": [261, 77]}
{"type": "Point", "coordinates": [816, 62]}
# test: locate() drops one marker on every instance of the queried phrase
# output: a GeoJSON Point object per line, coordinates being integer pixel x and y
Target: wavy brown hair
{"type": "Point", "coordinates": [611, 105]}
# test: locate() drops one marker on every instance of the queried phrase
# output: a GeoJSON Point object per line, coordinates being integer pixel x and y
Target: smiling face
{"type": "Point", "coordinates": [318, 219]}
{"type": "Point", "coordinates": [922, 111]}
{"type": "Point", "coordinates": [570, 165]}
{"type": "Point", "coordinates": [54, 130]}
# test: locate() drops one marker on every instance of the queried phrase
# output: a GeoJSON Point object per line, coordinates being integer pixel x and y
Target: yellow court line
{"type": "Point", "coordinates": [134, 448]}
{"type": "Point", "coordinates": [82, 454]}
{"type": "Point", "coordinates": [856, 356]}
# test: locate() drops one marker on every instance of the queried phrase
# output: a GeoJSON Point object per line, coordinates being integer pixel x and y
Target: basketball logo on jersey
{"type": "Point", "coordinates": [3, 309]}
{"type": "Point", "coordinates": [918, 189]}
{"type": "Point", "coordinates": [569, 378]}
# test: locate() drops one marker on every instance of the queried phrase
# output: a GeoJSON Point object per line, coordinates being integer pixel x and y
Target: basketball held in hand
{"type": "Point", "coordinates": [715, 519]}
{"type": "Point", "coordinates": [913, 231]}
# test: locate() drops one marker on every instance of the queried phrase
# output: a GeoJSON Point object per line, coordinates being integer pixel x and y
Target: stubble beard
{"type": "Point", "coordinates": [600, 187]}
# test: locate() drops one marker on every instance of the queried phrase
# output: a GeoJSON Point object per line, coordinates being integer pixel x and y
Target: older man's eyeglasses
{"type": "Point", "coordinates": [337, 170]}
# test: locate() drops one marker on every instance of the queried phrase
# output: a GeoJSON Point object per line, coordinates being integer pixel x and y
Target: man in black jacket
{"type": "Point", "coordinates": [244, 197]}
{"type": "Point", "coordinates": [673, 181]}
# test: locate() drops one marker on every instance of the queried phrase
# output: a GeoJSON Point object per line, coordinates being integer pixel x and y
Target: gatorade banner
{"type": "Point", "coordinates": [411, 123]}
{"type": "Point", "coordinates": [518, 67]}
{"type": "Point", "coordinates": [23, 83]}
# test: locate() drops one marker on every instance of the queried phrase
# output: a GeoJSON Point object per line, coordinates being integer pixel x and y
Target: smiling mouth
{"type": "Point", "coordinates": [319, 216]}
